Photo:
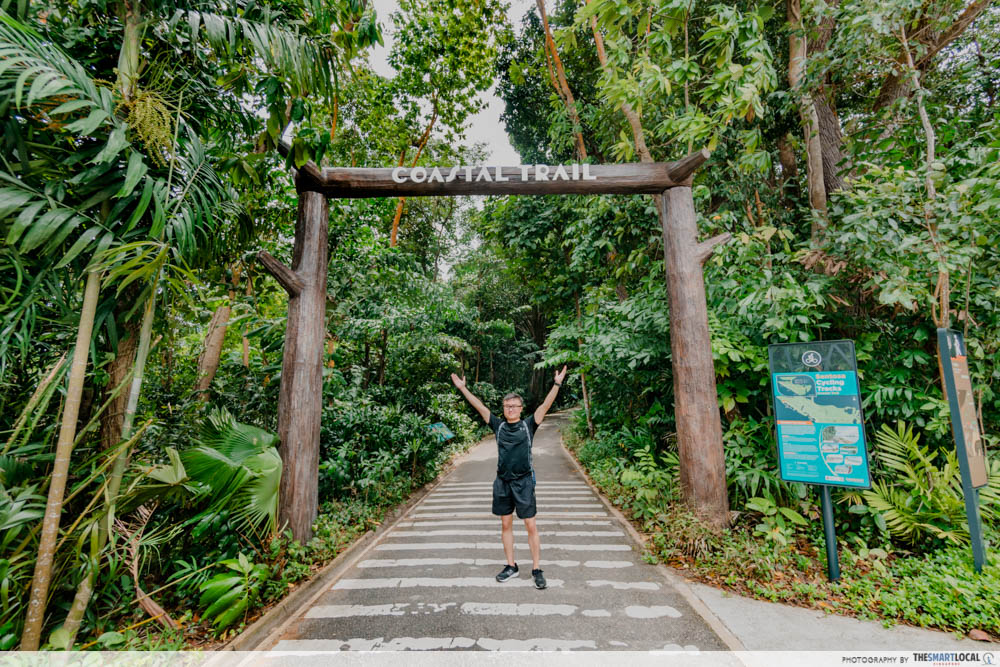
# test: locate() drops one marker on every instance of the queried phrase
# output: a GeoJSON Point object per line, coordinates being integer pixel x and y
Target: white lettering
{"type": "Point", "coordinates": [560, 170]}
{"type": "Point", "coordinates": [576, 172]}
{"type": "Point", "coordinates": [452, 174]}
{"type": "Point", "coordinates": [396, 175]}
{"type": "Point", "coordinates": [524, 171]}
{"type": "Point", "coordinates": [418, 175]}
{"type": "Point", "coordinates": [586, 173]}
{"type": "Point", "coordinates": [435, 176]}
{"type": "Point", "coordinates": [500, 178]}
{"type": "Point", "coordinates": [468, 173]}
{"type": "Point", "coordinates": [541, 172]}
{"type": "Point", "coordinates": [484, 175]}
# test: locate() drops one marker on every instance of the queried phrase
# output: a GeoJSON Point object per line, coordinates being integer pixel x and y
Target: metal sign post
{"type": "Point", "coordinates": [965, 429]}
{"type": "Point", "coordinates": [819, 424]}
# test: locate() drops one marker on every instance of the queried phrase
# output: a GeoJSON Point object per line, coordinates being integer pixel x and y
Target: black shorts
{"type": "Point", "coordinates": [518, 494]}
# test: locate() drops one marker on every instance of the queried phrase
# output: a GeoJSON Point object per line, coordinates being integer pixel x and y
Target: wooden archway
{"type": "Point", "coordinates": [699, 431]}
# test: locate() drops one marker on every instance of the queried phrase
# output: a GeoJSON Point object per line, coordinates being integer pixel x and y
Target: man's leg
{"type": "Point", "coordinates": [507, 537]}
{"type": "Point", "coordinates": [534, 542]}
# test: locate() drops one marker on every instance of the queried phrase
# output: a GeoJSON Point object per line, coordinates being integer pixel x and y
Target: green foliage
{"type": "Point", "coordinates": [227, 595]}
{"type": "Point", "coordinates": [920, 496]}
{"type": "Point", "coordinates": [942, 590]}
{"type": "Point", "coordinates": [776, 523]}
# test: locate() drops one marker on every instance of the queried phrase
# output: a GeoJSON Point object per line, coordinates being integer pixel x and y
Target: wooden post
{"type": "Point", "coordinates": [696, 402]}
{"type": "Point", "coordinates": [300, 403]}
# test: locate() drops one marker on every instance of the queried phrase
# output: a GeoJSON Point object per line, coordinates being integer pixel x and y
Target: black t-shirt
{"type": "Point", "coordinates": [513, 445]}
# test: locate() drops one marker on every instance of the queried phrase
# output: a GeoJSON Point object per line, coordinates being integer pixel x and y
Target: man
{"type": "Point", "coordinates": [514, 487]}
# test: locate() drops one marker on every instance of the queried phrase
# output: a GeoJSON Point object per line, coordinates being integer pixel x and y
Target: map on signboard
{"type": "Point", "coordinates": [817, 409]}
{"type": "Point", "coordinates": [442, 432]}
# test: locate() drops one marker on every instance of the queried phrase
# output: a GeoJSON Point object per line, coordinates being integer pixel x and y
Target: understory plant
{"type": "Point", "coordinates": [919, 494]}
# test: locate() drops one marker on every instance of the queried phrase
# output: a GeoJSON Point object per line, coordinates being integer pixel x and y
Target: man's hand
{"type": "Point", "coordinates": [560, 375]}
{"type": "Point", "coordinates": [475, 402]}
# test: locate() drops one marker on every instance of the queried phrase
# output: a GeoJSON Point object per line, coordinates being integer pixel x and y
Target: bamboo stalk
{"type": "Point", "coordinates": [86, 588]}
{"type": "Point", "coordinates": [31, 635]}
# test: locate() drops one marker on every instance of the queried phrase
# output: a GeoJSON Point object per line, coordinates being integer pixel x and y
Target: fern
{"type": "Point", "coordinates": [924, 500]}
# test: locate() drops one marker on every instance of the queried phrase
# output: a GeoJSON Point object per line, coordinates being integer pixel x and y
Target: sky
{"type": "Point", "coordinates": [485, 126]}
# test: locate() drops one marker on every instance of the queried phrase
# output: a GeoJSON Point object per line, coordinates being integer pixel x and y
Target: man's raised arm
{"type": "Point", "coordinates": [543, 409]}
{"type": "Point", "coordinates": [471, 398]}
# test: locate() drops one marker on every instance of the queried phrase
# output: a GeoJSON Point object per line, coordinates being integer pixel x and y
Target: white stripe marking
{"type": "Point", "coordinates": [472, 562]}
{"type": "Point", "coordinates": [494, 519]}
{"type": "Point", "coordinates": [596, 612]}
{"type": "Point", "coordinates": [442, 497]}
{"type": "Point", "coordinates": [486, 505]}
{"type": "Point", "coordinates": [292, 646]}
{"type": "Point", "coordinates": [547, 482]}
{"type": "Point", "coordinates": [348, 610]}
{"type": "Point", "coordinates": [496, 531]}
{"type": "Point", "coordinates": [437, 582]}
{"type": "Point", "coordinates": [485, 515]}
{"type": "Point", "coordinates": [423, 546]}
{"type": "Point", "coordinates": [512, 609]}
{"type": "Point", "coordinates": [626, 585]}
{"type": "Point", "coordinates": [638, 611]}
{"type": "Point", "coordinates": [608, 564]}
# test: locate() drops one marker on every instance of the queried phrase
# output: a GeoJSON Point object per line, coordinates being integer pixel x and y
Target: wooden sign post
{"type": "Point", "coordinates": [699, 430]}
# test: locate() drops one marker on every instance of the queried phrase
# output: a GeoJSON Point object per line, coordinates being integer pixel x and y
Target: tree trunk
{"type": "Point", "coordinates": [420, 147]}
{"type": "Point", "coordinates": [583, 375]}
{"type": "Point", "coordinates": [897, 83]}
{"type": "Point", "coordinates": [810, 119]}
{"type": "Point", "coordinates": [118, 371]}
{"type": "Point", "coordinates": [696, 401]}
{"type": "Point", "coordinates": [381, 357]}
{"type": "Point", "coordinates": [300, 400]}
{"type": "Point", "coordinates": [211, 355]}
{"type": "Point", "coordinates": [246, 341]}
{"type": "Point", "coordinates": [562, 85]}
{"type": "Point", "coordinates": [831, 140]}
{"type": "Point", "coordinates": [31, 635]}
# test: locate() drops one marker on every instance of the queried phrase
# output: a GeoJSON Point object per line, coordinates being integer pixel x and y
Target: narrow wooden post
{"type": "Point", "coordinates": [300, 401]}
{"type": "Point", "coordinates": [696, 402]}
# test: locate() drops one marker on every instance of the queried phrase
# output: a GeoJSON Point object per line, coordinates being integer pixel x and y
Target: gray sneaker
{"type": "Point", "coordinates": [508, 572]}
{"type": "Point", "coordinates": [539, 579]}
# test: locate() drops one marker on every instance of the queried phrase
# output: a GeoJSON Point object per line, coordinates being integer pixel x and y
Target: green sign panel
{"type": "Point", "coordinates": [442, 432]}
{"type": "Point", "coordinates": [817, 407]}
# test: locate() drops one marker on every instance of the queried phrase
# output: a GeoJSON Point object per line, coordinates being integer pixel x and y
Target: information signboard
{"type": "Point", "coordinates": [965, 424]}
{"type": "Point", "coordinates": [442, 432]}
{"type": "Point", "coordinates": [817, 406]}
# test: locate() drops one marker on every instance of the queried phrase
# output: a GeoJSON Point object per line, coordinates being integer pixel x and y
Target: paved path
{"type": "Point", "coordinates": [428, 583]}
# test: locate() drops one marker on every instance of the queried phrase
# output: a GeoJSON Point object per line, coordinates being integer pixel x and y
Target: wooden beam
{"type": "Point", "coordinates": [641, 178]}
{"type": "Point", "coordinates": [683, 169]}
{"type": "Point", "coordinates": [300, 399]}
{"type": "Point", "coordinates": [284, 275]}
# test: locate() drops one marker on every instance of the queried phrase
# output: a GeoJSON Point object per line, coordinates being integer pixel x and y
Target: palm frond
{"type": "Point", "coordinates": [308, 64]}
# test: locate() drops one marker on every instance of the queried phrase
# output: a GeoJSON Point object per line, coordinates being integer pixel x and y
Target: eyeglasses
{"type": "Point", "coordinates": [512, 405]}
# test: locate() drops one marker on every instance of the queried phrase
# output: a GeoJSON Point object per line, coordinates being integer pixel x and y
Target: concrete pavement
{"type": "Point", "coordinates": [428, 583]}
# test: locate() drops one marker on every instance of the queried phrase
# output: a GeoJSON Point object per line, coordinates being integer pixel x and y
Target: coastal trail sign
{"type": "Point", "coordinates": [696, 402]}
